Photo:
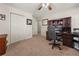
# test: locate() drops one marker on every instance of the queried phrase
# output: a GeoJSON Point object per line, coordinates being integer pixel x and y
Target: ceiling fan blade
{"type": "Point", "coordinates": [49, 7]}
{"type": "Point", "coordinates": [40, 8]}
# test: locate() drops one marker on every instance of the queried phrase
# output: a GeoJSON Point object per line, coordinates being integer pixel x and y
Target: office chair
{"type": "Point", "coordinates": [55, 37]}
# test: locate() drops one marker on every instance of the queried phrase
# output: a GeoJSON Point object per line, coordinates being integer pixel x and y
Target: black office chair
{"type": "Point", "coordinates": [56, 37]}
{"type": "Point", "coordinates": [56, 42]}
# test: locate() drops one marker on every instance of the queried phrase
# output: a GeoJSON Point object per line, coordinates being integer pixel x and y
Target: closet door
{"type": "Point", "coordinates": [18, 26]}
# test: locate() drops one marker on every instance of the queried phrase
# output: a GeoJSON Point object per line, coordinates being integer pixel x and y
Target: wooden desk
{"type": "Point", "coordinates": [3, 43]}
{"type": "Point", "coordinates": [67, 39]}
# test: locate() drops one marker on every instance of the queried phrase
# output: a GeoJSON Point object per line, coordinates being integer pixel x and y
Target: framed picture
{"type": "Point", "coordinates": [2, 16]}
{"type": "Point", "coordinates": [44, 22]}
{"type": "Point", "coordinates": [29, 22]}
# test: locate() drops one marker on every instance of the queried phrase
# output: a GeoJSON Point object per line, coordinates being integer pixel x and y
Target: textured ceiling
{"type": "Point", "coordinates": [32, 7]}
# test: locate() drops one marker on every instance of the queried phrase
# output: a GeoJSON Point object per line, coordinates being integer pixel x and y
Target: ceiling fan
{"type": "Point", "coordinates": [45, 5]}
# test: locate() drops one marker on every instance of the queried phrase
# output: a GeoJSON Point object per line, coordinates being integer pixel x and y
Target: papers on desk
{"type": "Point", "coordinates": [76, 38]}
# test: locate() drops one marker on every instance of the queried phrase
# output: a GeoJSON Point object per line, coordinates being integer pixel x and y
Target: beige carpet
{"type": "Point", "coordinates": [38, 46]}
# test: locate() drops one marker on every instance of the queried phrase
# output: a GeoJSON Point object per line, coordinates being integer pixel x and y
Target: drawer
{"type": "Point", "coordinates": [67, 40]}
{"type": "Point", "coordinates": [2, 50]}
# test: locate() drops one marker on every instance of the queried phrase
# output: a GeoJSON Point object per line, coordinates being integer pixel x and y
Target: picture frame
{"type": "Point", "coordinates": [29, 22]}
{"type": "Point", "coordinates": [2, 16]}
{"type": "Point", "coordinates": [44, 22]}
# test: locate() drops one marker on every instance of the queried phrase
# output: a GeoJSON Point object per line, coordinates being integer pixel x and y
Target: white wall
{"type": "Point", "coordinates": [73, 12]}
{"type": "Point", "coordinates": [5, 25]}
{"type": "Point", "coordinates": [34, 26]}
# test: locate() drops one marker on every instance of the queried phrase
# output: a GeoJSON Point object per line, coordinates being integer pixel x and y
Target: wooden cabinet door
{"type": "Point", "coordinates": [2, 45]}
{"type": "Point", "coordinates": [67, 39]}
{"type": "Point", "coordinates": [67, 22]}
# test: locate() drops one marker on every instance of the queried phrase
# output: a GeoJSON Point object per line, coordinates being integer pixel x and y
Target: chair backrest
{"type": "Point", "coordinates": [51, 32]}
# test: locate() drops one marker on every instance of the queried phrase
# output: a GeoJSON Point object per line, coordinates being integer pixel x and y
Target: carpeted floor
{"type": "Point", "coordinates": [38, 46]}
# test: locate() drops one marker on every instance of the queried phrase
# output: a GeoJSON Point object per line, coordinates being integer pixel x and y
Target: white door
{"type": "Point", "coordinates": [18, 26]}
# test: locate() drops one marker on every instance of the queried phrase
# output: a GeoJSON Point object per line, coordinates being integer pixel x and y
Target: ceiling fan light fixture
{"type": "Point", "coordinates": [45, 5]}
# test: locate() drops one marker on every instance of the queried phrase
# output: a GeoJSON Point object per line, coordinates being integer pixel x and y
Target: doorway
{"type": "Point", "coordinates": [39, 27]}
